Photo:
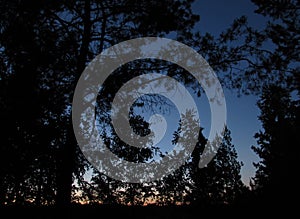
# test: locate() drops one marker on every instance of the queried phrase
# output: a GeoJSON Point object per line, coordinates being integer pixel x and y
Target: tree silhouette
{"type": "Point", "coordinates": [277, 142]}
{"type": "Point", "coordinates": [248, 58]}
{"type": "Point", "coordinates": [22, 156]}
{"type": "Point", "coordinates": [219, 182]}
{"type": "Point", "coordinates": [44, 48]}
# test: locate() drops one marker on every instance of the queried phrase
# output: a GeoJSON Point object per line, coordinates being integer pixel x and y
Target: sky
{"type": "Point", "coordinates": [242, 112]}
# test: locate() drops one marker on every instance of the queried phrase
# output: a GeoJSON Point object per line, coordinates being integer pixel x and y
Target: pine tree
{"type": "Point", "coordinates": [44, 49]}
{"type": "Point", "coordinates": [277, 145]}
{"type": "Point", "coordinates": [219, 182]}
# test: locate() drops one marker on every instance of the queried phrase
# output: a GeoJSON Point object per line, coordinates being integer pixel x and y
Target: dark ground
{"type": "Point", "coordinates": [143, 212]}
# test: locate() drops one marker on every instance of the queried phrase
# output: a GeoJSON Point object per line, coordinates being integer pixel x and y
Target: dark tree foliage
{"type": "Point", "coordinates": [277, 148]}
{"type": "Point", "coordinates": [220, 181]}
{"type": "Point", "coordinates": [274, 184]}
{"type": "Point", "coordinates": [44, 48]}
{"type": "Point", "coordinates": [247, 58]}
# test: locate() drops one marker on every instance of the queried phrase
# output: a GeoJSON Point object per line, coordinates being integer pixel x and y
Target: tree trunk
{"type": "Point", "coordinates": [67, 155]}
{"type": "Point", "coordinates": [65, 167]}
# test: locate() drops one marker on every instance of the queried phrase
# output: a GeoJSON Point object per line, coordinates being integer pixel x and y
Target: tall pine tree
{"type": "Point", "coordinates": [278, 142]}
{"type": "Point", "coordinates": [220, 181]}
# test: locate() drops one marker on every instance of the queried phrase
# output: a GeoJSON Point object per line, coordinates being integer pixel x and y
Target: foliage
{"type": "Point", "coordinates": [277, 143]}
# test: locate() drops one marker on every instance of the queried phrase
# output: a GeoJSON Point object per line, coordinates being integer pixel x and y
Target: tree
{"type": "Point", "coordinates": [219, 182]}
{"type": "Point", "coordinates": [22, 156]}
{"type": "Point", "coordinates": [277, 143]}
{"type": "Point", "coordinates": [44, 48]}
{"type": "Point", "coordinates": [247, 58]}
{"type": "Point", "coordinates": [174, 188]}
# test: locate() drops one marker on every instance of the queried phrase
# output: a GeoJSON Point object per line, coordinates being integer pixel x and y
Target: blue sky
{"type": "Point", "coordinates": [217, 15]}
